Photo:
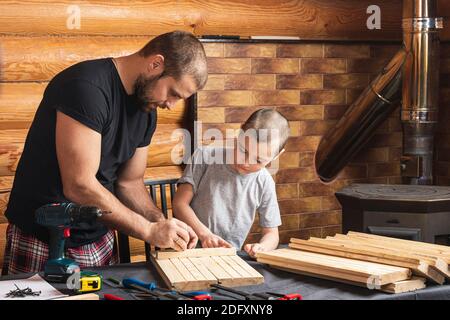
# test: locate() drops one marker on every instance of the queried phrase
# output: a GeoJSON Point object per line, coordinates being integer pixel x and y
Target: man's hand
{"type": "Point", "coordinates": [253, 248]}
{"type": "Point", "coordinates": [211, 240]}
{"type": "Point", "coordinates": [172, 233]}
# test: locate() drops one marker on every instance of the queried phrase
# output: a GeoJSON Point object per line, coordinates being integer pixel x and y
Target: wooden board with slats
{"type": "Point", "coordinates": [197, 269]}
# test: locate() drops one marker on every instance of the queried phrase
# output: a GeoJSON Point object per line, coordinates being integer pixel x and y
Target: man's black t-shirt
{"type": "Point", "coordinates": [92, 93]}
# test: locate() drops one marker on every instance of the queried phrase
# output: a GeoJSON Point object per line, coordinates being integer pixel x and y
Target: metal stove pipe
{"type": "Point", "coordinates": [420, 89]}
{"type": "Point", "coordinates": [361, 120]}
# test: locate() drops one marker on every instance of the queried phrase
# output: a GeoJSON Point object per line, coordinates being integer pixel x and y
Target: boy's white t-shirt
{"type": "Point", "coordinates": [226, 201]}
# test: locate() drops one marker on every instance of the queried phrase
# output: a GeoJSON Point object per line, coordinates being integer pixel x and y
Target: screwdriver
{"type": "Point", "coordinates": [132, 283]}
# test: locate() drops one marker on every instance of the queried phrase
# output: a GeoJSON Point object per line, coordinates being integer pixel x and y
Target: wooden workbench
{"type": "Point", "coordinates": [280, 281]}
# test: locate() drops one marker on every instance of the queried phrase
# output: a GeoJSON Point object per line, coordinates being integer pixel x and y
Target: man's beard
{"type": "Point", "coordinates": [142, 86]}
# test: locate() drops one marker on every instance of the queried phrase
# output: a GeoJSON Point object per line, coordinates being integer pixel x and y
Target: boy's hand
{"type": "Point", "coordinates": [214, 241]}
{"type": "Point", "coordinates": [253, 248]}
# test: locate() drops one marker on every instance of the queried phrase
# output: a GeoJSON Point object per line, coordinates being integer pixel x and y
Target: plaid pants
{"type": "Point", "coordinates": [27, 254]}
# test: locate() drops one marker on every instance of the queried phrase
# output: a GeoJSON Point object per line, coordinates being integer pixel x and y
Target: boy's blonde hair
{"type": "Point", "coordinates": [268, 119]}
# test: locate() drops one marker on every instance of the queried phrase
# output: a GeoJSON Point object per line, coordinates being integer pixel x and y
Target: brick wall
{"type": "Point", "coordinates": [312, 85]}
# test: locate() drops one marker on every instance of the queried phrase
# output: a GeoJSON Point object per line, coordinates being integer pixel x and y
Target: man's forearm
{"type": "Point", "coordinates": [120, 218]}
{"type": "Point", "coordinates": [136, 197]}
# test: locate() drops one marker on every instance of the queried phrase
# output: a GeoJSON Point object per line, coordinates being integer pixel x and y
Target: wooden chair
{"type": "Point", "coordinates": [123, 241]}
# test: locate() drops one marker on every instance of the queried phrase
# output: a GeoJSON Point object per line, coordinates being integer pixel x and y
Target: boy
{"type": "Point", "coordinates": [219, 199]}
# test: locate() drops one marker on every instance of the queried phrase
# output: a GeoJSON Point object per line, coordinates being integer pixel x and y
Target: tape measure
{"type": "Point", "coordinates": [90, 282]}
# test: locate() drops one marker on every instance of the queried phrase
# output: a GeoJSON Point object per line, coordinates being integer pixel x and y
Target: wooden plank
{"type": "Point", "coordinates": [420, 269]}
{"type": "Point", "coordinates": [352, 265]}
{"type": "Point", "coordinates": [162, 173]}
{"type": "Point", "coordinates": [442, 248]}
{"type": "Point", "coordinates": [199, 252]}
{"type": "Point", "coordinates": [169, 273]}
{"type": "Point", "coordinates": [238, 260]}
{"type": "Point", "coordinates": [381, 273]}
{"type": "Point", "coordinates": [440, 259]}
{"type": "Point", "coordinates": [86, 296]}
{"type": "Point", "coordinates": [24, 60]}
{"type": "Point", "coordinates": [233, 264]}
{"type": "Point", "coordinates": [315, 261]}
{"type": "Point", "coordinates": [320, 19]}
{"type": "Point", "coordinates": [380, 249]}
{"type": "Point", "coordinates": [4, 198]}
{"type": "Point", "coordinates": [437, 251]}
{"type": "Point", "coordinates": [6, 183]}
{"type": "Point", "coordinates": [204, 271]}
{"type": "Point", "coordinates": [357, 282]}
{"type": "Point", "coordinates": [3, 227]}
{"type": "Point", "coordinates": [218, 271]}
{"type": "Point", "coordinates": [435, 262]}
{"type": "Point", "coordinates": [350, 247]}
{"type": "Point", "coordinates": [433, 268]}
{"type": "Point", "coordinates": [18, 104]}
{"type": "Point", "coordinates": [317, 272]}
{"type": "Point", "coordinates": [241, 277]}
{"type": "Point", "coordinates": [233, 273]}
{"type": "Point", "coordinates": [198, 276]}
{"type": "Point", "coordinates": [10, 153]}
{"type": "Point", "coordinates": [409, 285]}
{"type": "Point", "coordinates": [166, 146]}
{"type": "Point", "coordinates": [138, 258]}
{"type": "Point", "coordinates": [183, 270]}
{"type": "Point", "coordinates": [345, 252]}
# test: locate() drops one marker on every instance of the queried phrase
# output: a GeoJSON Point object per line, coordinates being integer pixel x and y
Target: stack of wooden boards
{"type": "Point", "coordinates": [367, 260]}
{"type": "Point", "coordinates": [197, 269]}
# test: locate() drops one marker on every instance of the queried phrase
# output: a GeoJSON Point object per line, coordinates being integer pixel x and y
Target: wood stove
{"type": "Point", "coordinates": [413, 212]}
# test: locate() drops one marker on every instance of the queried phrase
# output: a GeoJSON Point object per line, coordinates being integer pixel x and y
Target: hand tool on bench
{"type": "Point", "coordinates": [108, 296]}
{"type": "Point", "coordinates": [113, 283]}
{"type": "Point", "coordinates": [131, 283]}
{"type": "Point", "coordinates": [145, 296]}
{"type": "Point", "coordinates": [195, 295]}
{"type": "Point", "coordinates": [260, 296]}
{"type": "Point", "coordinates": [148, 293]}
{"type": "Point", "coordinates": [150, 285]}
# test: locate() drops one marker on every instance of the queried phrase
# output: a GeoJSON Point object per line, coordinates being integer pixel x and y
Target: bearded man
{"type": "Point", "coordinates": [88, 144]}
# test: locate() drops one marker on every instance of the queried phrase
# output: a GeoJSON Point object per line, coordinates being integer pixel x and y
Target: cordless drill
{"type": "Point", "coordinates": [59, 218]}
